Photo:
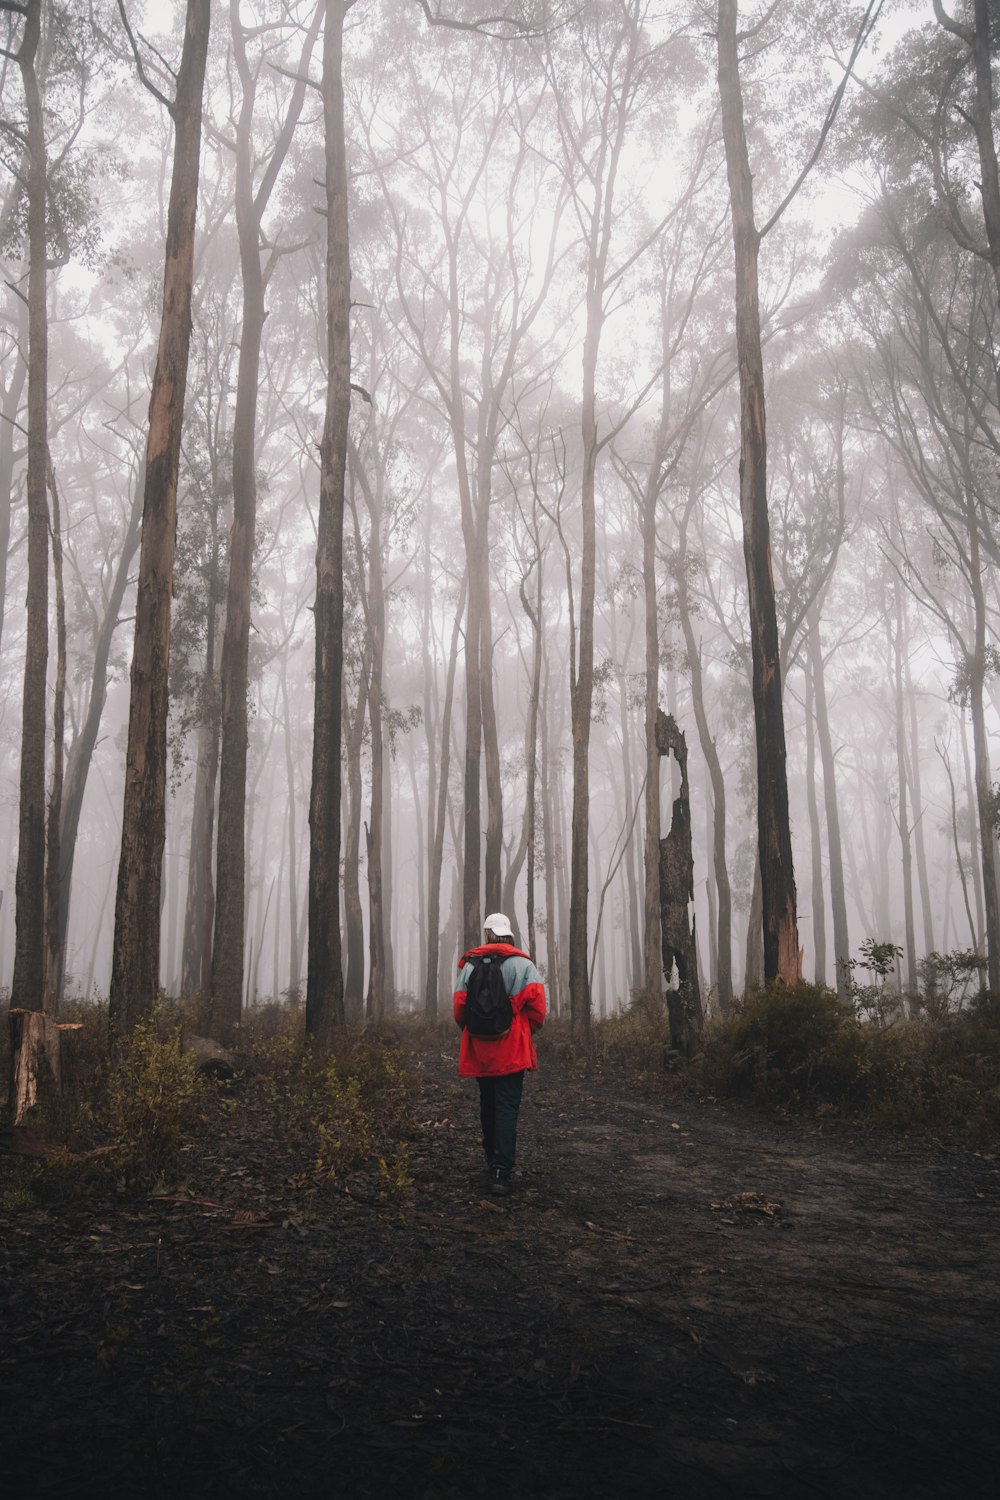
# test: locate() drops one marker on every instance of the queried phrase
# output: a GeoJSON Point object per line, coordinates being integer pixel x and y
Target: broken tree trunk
{"type": "Point", "coordinates": [36, 1065]}
{"type": "Point", "coordinates": [678, 944]}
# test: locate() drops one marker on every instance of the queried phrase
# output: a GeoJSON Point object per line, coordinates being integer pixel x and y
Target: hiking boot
{"type": "Point", "coordinates": [500, 1183]}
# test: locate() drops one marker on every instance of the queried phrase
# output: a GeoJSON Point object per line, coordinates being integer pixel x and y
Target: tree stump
{"type": "Point", "coordinates": [36, 1067]}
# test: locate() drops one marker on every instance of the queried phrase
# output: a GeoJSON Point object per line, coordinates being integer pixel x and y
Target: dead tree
{"type": "Point", "coordinates": [677, 927]}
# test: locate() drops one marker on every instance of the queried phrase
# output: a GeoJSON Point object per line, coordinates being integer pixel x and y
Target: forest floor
{"type": "Point", "coordinates": [681, 1299]}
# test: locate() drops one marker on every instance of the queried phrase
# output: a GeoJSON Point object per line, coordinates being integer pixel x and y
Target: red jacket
{"type": "Point", "coordinates": [483, 1057]}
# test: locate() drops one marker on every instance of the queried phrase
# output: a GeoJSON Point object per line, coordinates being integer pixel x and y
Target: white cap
{"type": "Point", "coordinates": [497, 924]}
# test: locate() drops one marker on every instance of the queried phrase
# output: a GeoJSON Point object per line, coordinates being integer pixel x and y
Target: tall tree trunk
{"type": "Point", "coordinates": [294, 974]}
{"type": "Point", "coordinates": [724, 930]}
{"type": "Point", "coordinates": [418, 898]}
{"type": "Point", "coordinates": [895, 640]}
{"type": "Point", "coordinates": [525, 851]}
{"type": "Point", "coordinates": [975, 864]}
{"type": "Point", "coordinates": [918, 813]}
{"type": "Point", "coordinates": [550, 844]}
{"type": "Point", "coordinates": [491, 742]}
{"type": "Point", "coordinates": [531, 775]}
{"type": "Point", "coordinates": [199, 913]}
{"type": "Point", "coordinates": [838, 896]}
{"type": "Point", "coordinates": [81, 751]}
{"type": "Point", "coordinates": [135, 960]}
{"type": "Point", "coordinates": [388, 883]}
{"type": "Point", "coordinates": [436, 850]}
{"type": "Point", "coordinates": [53, 932]}
{"type": "Point", "coordinates": [815, 842]}
{"type": "Point", "coordinates": [10, 404]}
{"type": "Point", "coordinates": [325, 983]}
{"type": "Point", "coordinates": [228, 945]}
{"type": "Point", "coordinates": [582, 685]}
{"type": "Point", "coordinates": [29, 884]}
{"type": "Point", "coordinates": [753, 974]}
{"type": "Point", "coordinates": [199, 909]}
{"type": "Point", "coordinates": [985, 801]}
{"type": "Point", "coordinates": [377, 913]}
{"type": "Point", "coordinates": [781, 941]}
{"type": "Point", "coordinates": [354, 922]}
{"type": "Point", "coordinates": [652, 955]}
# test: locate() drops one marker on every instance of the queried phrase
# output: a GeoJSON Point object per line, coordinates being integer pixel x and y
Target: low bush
{"type": "Point", "coordinates": [345, 1111]}
{"type": "Point", "coordinates": [152, 1104]}
{"type": "Point", "coordinates": [794, 1046]}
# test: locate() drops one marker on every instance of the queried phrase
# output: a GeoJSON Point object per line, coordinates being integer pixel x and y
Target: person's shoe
{"type": "Point", "coordinates": [500, 1183]}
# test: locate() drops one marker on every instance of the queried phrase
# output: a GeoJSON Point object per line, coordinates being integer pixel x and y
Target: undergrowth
{"type": "Point", "coordinates": [138, 1117]}
{"type": "Point", "coordinates": [797, 1049]}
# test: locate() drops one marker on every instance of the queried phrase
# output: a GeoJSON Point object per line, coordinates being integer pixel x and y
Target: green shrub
{"type": "Point", "coordinates": [797, 1048]}
{"type": "Point", "coordinates": [793, 1045]}
{"type": "Point", "coordinates": [151, 1103]}
{"type": "Point", "coordinates": [345, 1111]}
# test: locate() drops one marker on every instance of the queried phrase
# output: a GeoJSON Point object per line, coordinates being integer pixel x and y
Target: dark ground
{"type": "Point", "coordinates": [681, 1300]}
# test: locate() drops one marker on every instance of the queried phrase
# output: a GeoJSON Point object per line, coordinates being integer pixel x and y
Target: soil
{"type": "Point", "coordinates": [681, 1299]}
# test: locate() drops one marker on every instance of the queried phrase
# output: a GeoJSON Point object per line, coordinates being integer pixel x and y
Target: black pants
{"type": "Point", "coordinates": [499, 1102]}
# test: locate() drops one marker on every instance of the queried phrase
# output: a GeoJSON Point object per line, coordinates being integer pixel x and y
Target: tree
{"type": "Point", "coordinates": [251, 202]}
{"type": "Point", "coordinates": [324, 979]}
{"type": "Point", "coordinates": [135, 959]}
{"type": "Point", "coordinates": [29, 957]}
{"type": "Point", "coordinates": [619, 70]}
{"type": "Point", "coordinates": [781, 939]}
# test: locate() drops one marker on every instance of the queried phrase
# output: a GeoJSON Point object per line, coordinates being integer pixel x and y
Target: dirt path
{"type": "Point", "coordinates": [681, 1300]}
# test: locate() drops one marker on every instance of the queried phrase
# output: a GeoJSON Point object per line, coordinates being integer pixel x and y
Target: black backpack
{"type": "Point", "coordinates": [488, 1011]}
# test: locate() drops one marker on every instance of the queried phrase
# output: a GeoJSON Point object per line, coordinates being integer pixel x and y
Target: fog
{"type": "Point", "coordinates": [542, 289]}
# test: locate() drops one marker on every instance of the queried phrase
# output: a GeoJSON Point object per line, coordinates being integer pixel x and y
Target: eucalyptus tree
{"type": "Point", "coordinates": [135, 959]}
{"type": "Point", "coordinates": [199, 597]}
{"type": "Point", "coordinates": [260, 54]}
{"type": "Point", "coordinates": [324, 977]}
{"type": "Point", "coordinates": [27, 988]}
{"type": "Point", "coordinates": [931, 109]}
{"type": "Point", "coordinates": [781, 941]}
{"type": "Point", "coordinates": [609, 67]}
{"type": "Point", "coordinates": [931, 321]}
{"type": "Point", "coordinates": [695, 367]}
{"type": "Point", "coordinates": [379, 472]}
{"type": "Point", "coordinates": [464, 200]}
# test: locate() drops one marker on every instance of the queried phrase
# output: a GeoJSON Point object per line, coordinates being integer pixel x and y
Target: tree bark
{"type": "Point", "coordinates": [709, 750]}
{"type": "Point", "coordinates": [906, 847]}
{"type": "Point", "coordinates": [294, 974]}
{"type": "Point", "coordinates": [29, 885]}
{"type": "Point", "coordinates": [53, 862]}
{"type": "Point", "coordinates": [432, 978]}
{"type": "Point", "coordinates": [135, 959]}
{"type": "Point", "coordinates": [354, 922]}
{"type": "Point", "coordinates": [815, 842]}
{"type": "Point", "coordinates": [918, 813]}
{"type": "Point", "coordinates": [81, 751]}
{"type": "Point", "coordinates": [680, 946]}
{"type": "Point", "coordinates": [781, 942]}
{"type": "Point", "coordinates": [13, 390]}
{"type": "Point", "coordinates": [985, 803]}
{"type": "Point", "coordinates": [838, 897]}
{"type": "Point", "coordinates": [36, 1048]}
{"type": "Point", "coordinates": [250, 204]}
{"type": "Point", "coordinates": [324, 983]}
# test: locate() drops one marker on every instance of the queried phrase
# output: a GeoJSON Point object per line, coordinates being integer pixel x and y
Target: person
{"type": "Point", "coordinates": [499, 1064]}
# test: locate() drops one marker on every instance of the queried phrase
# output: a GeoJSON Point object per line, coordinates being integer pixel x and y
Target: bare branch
{"type": "Point", "coordinates": [143, 77]}
{"type": "Point", "coordinates": [869, 19]}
